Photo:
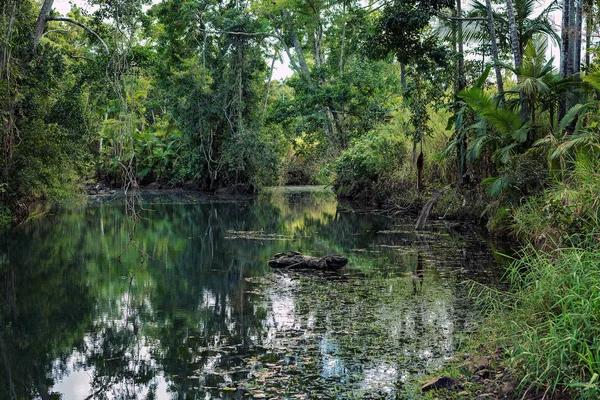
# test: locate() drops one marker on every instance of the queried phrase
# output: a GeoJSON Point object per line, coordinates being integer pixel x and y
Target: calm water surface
{"type": "Point", "coordinates": [182, 305]}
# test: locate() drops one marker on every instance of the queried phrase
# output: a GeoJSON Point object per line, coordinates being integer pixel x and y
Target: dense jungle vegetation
{"type": "Point", "coordinates": [394, 102]}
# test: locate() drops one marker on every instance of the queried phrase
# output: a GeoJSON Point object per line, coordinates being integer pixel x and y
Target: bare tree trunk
{"type": "Point", "coordinates": [461, 54]}
{"type": "Point", "coordinates": [41, 22]}
{"type": "Point", "coordinates": [564, 55]}
{"type": "Point", "coordinates": [343, 42]}
{"type": "Point", "coordinates": [301, 59]}
{"type": "Point", "coordinates": [6, 49]}
{"type": "Point", "coordinates": [514, 34]}
{"type": "Point", "coordinates": [420, 160]}
{"type": "Point", "coordinates": [490, 21]}
{"type": "Point", "coordinates": [588, 33]}
{"type": "Point", "coordinates": [287, 50]}
{"type": "Point", "coordinates": [564, 48]}
{"type": "Point", "coordinates": [275, 57]}
{"type": "Point", "coordinates": [461, 143]}
{"type": "Point", "coordinates": [571, 37]}
{"type": "Point", "coordinates": [578, 31]}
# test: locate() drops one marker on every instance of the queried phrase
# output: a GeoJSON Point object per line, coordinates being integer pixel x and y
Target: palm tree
{"type": "Point", "coordinates": [584, 117]}
{"type": "Point", "coordinates": [535, 77]}
{"type": "Point", "coordinates": [499, 128]}
{"type": "Point", "coordinates": [525, 25]}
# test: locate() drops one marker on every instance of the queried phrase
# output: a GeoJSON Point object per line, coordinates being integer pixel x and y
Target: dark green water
{"type": "Point", "coordinates": [183, 305]}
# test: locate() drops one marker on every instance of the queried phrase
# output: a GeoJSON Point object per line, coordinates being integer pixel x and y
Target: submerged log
{"type": "Point", "coordinates": [295, 260]}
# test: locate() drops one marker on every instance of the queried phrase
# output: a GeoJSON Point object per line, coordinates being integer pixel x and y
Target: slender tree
{"type": "Point", "coordinates": [571, 34]}
{"type": "Point", "coordinates": [589, 23]}
{"type": "Point", "coordinates": [498, 70]}
{"type": "Point", "coordinates": [514, 33]}
{"type": "Point", "coordinates": [461, 140]}
{"type": "Point", "coordinates": [578, 32]}
{"type": "Point", "coordinates": [565, 53]}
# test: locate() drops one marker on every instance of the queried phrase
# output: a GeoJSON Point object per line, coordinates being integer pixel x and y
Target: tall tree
{"type": "Point", "coordinates": [514, 34]}
{"type": "Point", "coordinates": [566, 52]}
{"type": "Point", "coordinates": [578, 33]}
{"type": "Point", "coordinates": [492, 31]}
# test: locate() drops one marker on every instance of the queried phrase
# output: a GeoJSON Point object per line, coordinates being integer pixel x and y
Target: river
{"type": "Point", "coordinates": [182, 305]}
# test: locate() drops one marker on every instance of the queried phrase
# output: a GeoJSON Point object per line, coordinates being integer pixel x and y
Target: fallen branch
{"type": "Point", "coordinates": [295, 260]}
{"type": "Point", "coordinates": [426, 210]}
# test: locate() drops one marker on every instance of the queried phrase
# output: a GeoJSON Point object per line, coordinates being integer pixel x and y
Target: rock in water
{"type": "Point", "coordinates": [295, 260]}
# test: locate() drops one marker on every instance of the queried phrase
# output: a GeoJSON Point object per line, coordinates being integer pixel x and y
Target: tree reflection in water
{"type": "Point", "coordinates": [193, 311]}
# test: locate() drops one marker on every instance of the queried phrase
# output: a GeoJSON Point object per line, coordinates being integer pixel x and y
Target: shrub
{"type": "Point", "coordinates": [374, 155]}
{"type": "Point", "coordinates": [570, 206]}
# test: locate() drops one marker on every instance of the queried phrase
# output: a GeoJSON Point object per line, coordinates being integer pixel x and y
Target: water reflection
{"type": "Point", "coordinates": [178, 306]}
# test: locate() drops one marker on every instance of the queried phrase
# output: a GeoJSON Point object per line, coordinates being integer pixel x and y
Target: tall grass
{"type": "Point", "coordinates": [570, 206]}
{"type": "Point", "coordinates": [551, 320]}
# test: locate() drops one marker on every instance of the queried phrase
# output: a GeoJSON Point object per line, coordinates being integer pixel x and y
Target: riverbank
{"type": "Point", "coordinates": [540, 338]}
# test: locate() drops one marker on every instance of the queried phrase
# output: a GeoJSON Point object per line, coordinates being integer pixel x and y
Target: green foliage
{"type": "Point", "coordinates": [550, 319]}
{"type": "Point", "coordinates": [5, 217]}
{"type": "Point", "coordinates": [523, 175]}
{"type": "Point", "coordinates": [158, 154]}
{"type": "Point", "coordinates": [361, 97]}
{"type": "Point", "coordinates": [47, 166]}
{"type": "Point", "coordinates": [211, 84]}
{"type": "Point", "coordinates": [373, 156]}
{"type": "Point", "coordinates": [569, 207]}
{"type": "Point", "coordinates": [402, 31]}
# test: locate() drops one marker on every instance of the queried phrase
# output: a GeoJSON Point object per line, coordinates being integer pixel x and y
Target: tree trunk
{"type": "Point", "coordinates": [571, 29]}
{"type": "Point", "coordinates": [564, 55]}
{"type": "Point", "coordinates": [6, 50]}
{"type": "Point", "coordinates": [301, 59]}
{"type": "Point", "coordinates": [420, 163]}
{"type": "Point", "coordinates": [578, 30]}
{"type": "Point", "coordinates": [287, 50]}
{"type": "Point", "coordinates": [41, 22]}
{"type": "Point", "coordinates": [514, 34]}
{"type": "Point", "coordinates": [564, 34]}
{"type": "Point", "coordinates": [461, 55]}
{"type": "Point", "coordinates": [588, 33]}
{"type": "Point", "coordinates": [461, 143]}
{"type": "Point", "coordinates": [343, 42]}
{"type": "Point", "coordinates": [268, 89]}
{"type": "Point", "coordinates": [490, 21]}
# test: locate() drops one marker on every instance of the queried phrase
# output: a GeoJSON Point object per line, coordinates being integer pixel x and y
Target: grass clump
{"type": "Point", "coordinates": [551, 322]}
{"type": "Point", "coordinates": [569, 207]}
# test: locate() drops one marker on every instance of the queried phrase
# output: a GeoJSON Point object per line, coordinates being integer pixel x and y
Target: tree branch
{"type": "Point", "coordinates": [79, 24]}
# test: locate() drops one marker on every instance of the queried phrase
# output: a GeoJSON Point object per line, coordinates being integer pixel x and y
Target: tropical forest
{"type": "Point", "coordinates": [299, 199]}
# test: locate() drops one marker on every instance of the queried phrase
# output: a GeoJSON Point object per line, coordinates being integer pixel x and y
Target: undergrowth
{"type": "Point", "coordinates": [550, 321]}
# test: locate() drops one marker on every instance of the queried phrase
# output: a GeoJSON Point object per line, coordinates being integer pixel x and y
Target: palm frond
{"type": "Point", "coordinates": [496, 183]}
{"type": "Point", "coordinates": [593, 79]}
{"type": "Point", "coordinates": [504, 154]}
{"type": "Point", "coordinates": [477, 146]}
{"type": "Point", "coordinates": [578, 139]}
{"type": "Point", "coordinates": [520, 135]}
{"type": "Point", "coordinates": [573, 113]}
